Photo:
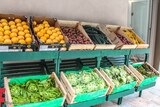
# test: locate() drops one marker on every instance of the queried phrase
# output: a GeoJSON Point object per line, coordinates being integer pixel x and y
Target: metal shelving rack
{"type": "Point", "coordinates": [60, 59]}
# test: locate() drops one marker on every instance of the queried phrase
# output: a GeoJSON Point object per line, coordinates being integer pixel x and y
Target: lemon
{"type": "Point", "coordinates": [7, 41]}
{"type": "Point", "coordinates": [20, 37]}
{"type": "Point", "coordinates": [4, 20]}
{"type": "Point", "coordinates": [1, 29]}
{"type": "Point", "coordinates": [26, 31]}
{"type": "Point", "coordinates": [1, 39]}
{"type": "Point", "coordinates": [14, 30]}
{"type": "Point", "coordinates": [55, 41]}
{"type": "Point", "coordinates": [55, 34]}
{"type": "Point", "coordinates": [40, 26]}
{"type": "Point", "coordinates": [62, 41]}
{"type": "Point", "coordinates": [18, 20]}
{"type": "Point", "coordinates": [51, 28]}
{"type": "Point", "coordinates": [52, 37]}
{"type": "Point", "coordinates": [54, 31]}
{"type": "Point", "coordinates": [13, 26]}
{"type": "Point", "coordinates": [15, 40]}
{"type": "Point", "coordinates": [59, 33]}
{"type": "Point", "coordinates": [39, 34]}
{"type": "Point", "coordinates": [49, 41]}
{"type": "Point", "coordinates": [24, 23]}
{"type": "Point", "coordinates": [57, 29]}
{"type": "Point", "coordinates": [43, 39]}
{"type": "Point", "coordinates": [36, 29]}
{"type": "Point", "coordinates": [7, 32]}
{"type": "Point", "coordinates": [34, 23]}
{"type": "Point", "coordinates": [6, 28]}
{"type": "Point", "coordinates": [21, 41]}
{"type": "Point", "coordinates": [46, 25]}
{"type": "Point", "coordinates": [18, 24]}
{"type": "Point", "coordinates": [46, 35]}
{"type": "Point", "coordinates": [60, 37]}
{"type": "Point", "coordinates": [1, 25]}
{"type": "Point", "coordinates": [1, 33]}
{"type": "Point", "coordinates": [13, 35]}
{"type": "Point", "coordinates": [21, 33]}
{"type": "Point", "coordinates": [4, 24]}
{"type": "Point", "coordinates": [43, 31]}
{"type": "Point", "coordinates": [6, 37]}
{"type": "Point", "coordinates": [11, 23]}
{"type": "Point", "coordinates": [25, 27]}
{"type": "Point", "coordinates": [45, 22]}
{"type": "Point", "coordinates": [20, 28]}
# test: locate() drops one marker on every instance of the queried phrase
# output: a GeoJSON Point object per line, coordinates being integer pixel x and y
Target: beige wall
{"type": "Point", "coordinates": [103, 11]}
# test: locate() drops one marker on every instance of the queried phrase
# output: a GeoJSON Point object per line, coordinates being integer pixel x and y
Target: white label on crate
{"type": "Point", "coordinates": [4, 47]}
{"type": "Point", "coordinates": [45, 48]}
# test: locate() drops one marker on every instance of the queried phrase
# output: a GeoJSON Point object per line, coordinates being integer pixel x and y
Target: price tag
{"type": "Point", "coordinates": [4, 47]}
{"type": "Point", "coordinates": [45, 48]}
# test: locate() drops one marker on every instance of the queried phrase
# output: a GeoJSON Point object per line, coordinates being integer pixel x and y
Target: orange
{"type": "Point", "coordinates": [26, 31]}
{"type": "Point", "coordinates": [60, 37]}
{"type": "Point", "coordinates": [34, 23]}
{"type": "Point", "coordinates": [6, 37]}
{"type": "Point", "coordinates": [49, 41]}
{"type": "Point", "coordinates": [43, 39]}
{"type": "Point", "coordinates": [18, 24]}
{"type": "Point", "coordinates": [40, 26]}
{"type": "Point", "coordinates": [11, 23]}
{"type": "Point", "coordinates": [13, 26]}
{"type": "Point", "coordinates": [7, 32]}
{"type": "Point", "coordinates": [21, 33]}
{"type": "Point", "coordinates": [1, 25]}
{"type": "Point", "coordinates": [36, 29]}
{"type": "Point", "coordinates": [52, 37]}
{"type": "Point", "coordinates": [46, 25]}
{"type": "Point", "coordinates": [20, 37]}
{"type": "Point", "coordinates": [20, 28]}
{"type": "Point", "coordinates": [1, 39]}
{"type": "Point", "coordinates": [46, 35]}
{"type": "Point", "coordinates": [57, 38]}
{"type": "Point", "coordinates": [57, 29]}
{"type": "Point", "coordinates": [55, 34]}
{"type": "Point", "coordinates": [62, 41]}
{"type": "Point", "coordinates": [28, 40]}
{"type": "Point", "coordinates": [18, 20]}
{"type": "Point", "coordinates": [45, 22]}
{"type": "Point", "coordinates": [51, 28]}
{"type": "Point", "coordinates": [13, 35]}
{"type": "Point", "coordinates": [1, 29]}
{"type": "Point", "coordinates": [14, 31]}
{"type": "Point", "coordinates": [27, 35]}
{"type": "Point", "coordinates": [43, 31]}
{"type": "Point", "coordinates": [59, 33]}
{"type": "Point", "coordinates": [25, 27]}
{"type": "Point", "coordinates": [4, 24]}
{"type": "Point", "coordinates": [24, 23]}
{"type": "Point", "coordinates": [7, 41]}
{"type": "Point", "coordinates": [39, 34]}
{"type": "Point", "coordinates": [15, 40]}
{"type": "Point", "coordinates": [55, 41]}
{"type": "Point", "coordinates": [1, 33]}
{"type": "Point", "coordinates": [6, 28]}
{"type": "Point", "coordinates": [21, 41]}
{"type": "Point", "coordinates": [49, 32]}
{"type": "Point", "coordinates": [54, 31]}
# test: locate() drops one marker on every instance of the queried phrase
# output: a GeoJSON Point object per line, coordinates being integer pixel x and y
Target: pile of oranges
{"type": "Point", "coordinates": [48, 34]}
{"type": "Point", "coordinates": [15, 31]}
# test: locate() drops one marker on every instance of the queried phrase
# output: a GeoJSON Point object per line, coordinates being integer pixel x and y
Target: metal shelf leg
{"type": "Point", "coordinates": [57, 66]}
{"type": "Point", "coordinates": [140, 93]}
{"type": "Point", "coordinates": [1, 78]}
{"type": "Point", "coordinates": [120, 101]}
{"type": "Point", "coordinates": [99, 62]}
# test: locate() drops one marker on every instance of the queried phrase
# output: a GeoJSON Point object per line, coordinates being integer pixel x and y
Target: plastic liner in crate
{"type": "Point", "coordinates": [142, 79]}
{"type": "Point", "coordinates": [72, 97]}
{"type": "Point", "coordinates": [97, 35]}
{"type": "Point", "coordinates": [76, 35]}
{"type": "Point", "coordinates": [57, 102]}
{"type": "Point", "coordinates": [123, 87]}
{"type": "Point", "coordinates": [44, 46]}
{"type": "Point", "coordinates": [17, 46]}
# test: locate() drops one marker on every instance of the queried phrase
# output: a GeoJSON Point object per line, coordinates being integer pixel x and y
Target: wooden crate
{"type": "Point", "coordinates": [143, 45]}
{"type": "Point", "coordinates": [139, 75]}
{"type": "Point", "coordinates": [110, 80]}
{"type": "Point", "coordinates": [8, 97]}
{"type": "Point", "coordinates": [99, 46]}
{"type": "Point", "coordinates": [53, 23]}
{"type": "Point", "coordinates": [70, 91]}
{"type": "Point", "coordinates": [110, 32]}
{"type": "Point", "coordinates": [75, 24]}
{"type": "Point", "coordinates": [17, 47]}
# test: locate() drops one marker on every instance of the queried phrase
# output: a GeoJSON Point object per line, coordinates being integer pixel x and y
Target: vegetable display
{"type": "Point", "coordinates": [97, 36]}
{"type": "Point", "coordinates": [146, 71]}
{"type": "Point", "coordinates": [85, 82]}
{"type": "Point", "coordinates": [118, 75]}
{"type": "Point", "coordinates": [132, 36]}
{"type": "Point", "coordinates": [75, 36]}
{"type": "Point", "coordinates": [47, 33]}
{"type": "Point", "coordinates": [34, 91]}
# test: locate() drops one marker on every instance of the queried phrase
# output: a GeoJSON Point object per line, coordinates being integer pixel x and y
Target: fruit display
{"type": "Point", "coordinates": [123, 39]}
{"type": "Point", "coordinates": [14, 31]}
{"type": "Point", "coordinates": [34, 91]}
{"type": "Point", "coordinates": [75, 36]}
{"type": "Point", "coordinates": [146, 71]}
{"type": "Point", "coordinates": [47, 33]}
{"type": "Point", "coordinates": [132, 36]}
{"type": "Point", "coordinates": [97, 36]}
{"type": "Point", "coordinates": [85, 82]}
{"type": "Point", "coordinates": [119, 75]}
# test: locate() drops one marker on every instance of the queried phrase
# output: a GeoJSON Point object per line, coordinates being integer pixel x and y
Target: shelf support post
{"type": "Point", "coordinates": [57, 66]}
{"type": "Point", "coordinates": [1, 78]}
{"type": "Point", "coordinates": [99, 61]}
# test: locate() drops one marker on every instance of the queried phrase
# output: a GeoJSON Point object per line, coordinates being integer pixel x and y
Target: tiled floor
{"type": "Point", "coordinates": [150, 98]}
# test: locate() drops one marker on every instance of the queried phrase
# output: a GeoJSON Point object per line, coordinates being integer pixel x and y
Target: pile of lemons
{"type": "Point", "coordinates": [48, 34]}
{"type": "Point", "coordinates": [15, 31]}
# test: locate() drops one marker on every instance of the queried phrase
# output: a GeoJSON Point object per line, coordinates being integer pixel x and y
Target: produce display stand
{"type": "Point", "coordinates": [58, 57]}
